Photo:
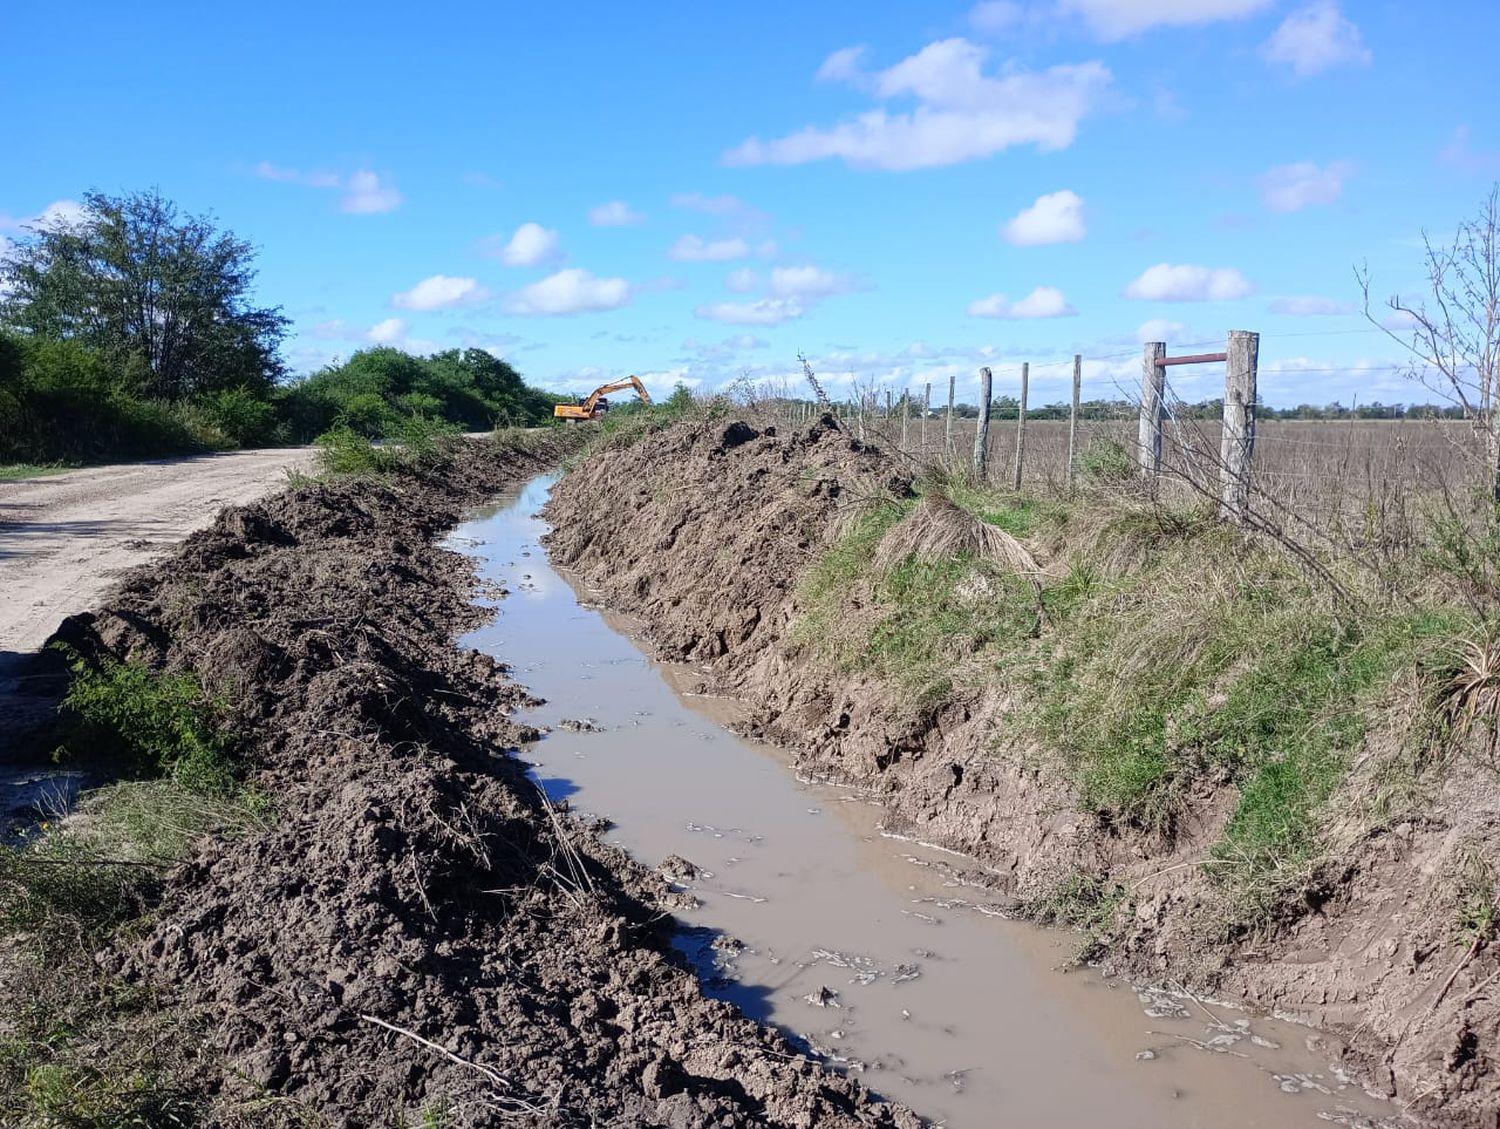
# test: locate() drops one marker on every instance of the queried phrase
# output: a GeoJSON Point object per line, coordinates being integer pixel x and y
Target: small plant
{"type": "Point", "coordinates": [342, 450]}
{"type": "Point", "coordinates": [1469, 693]}
{"type": "Point", "coordinates": [1105, 460]}
{"type": "Point", "coordinates": [156, 724]}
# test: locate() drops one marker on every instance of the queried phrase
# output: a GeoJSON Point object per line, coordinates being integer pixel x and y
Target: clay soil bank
{"type": "Point", "coordinates": [707, 531]}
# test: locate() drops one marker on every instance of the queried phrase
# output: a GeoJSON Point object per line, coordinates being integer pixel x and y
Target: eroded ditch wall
{"type": "Point", "coordinates": [703, 531]}
{"type": "Point", "coordinates": [416, 928]}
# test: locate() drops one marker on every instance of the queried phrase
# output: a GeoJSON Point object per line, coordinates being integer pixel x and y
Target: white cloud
{"type": "Point", "coordinates": [842, 65]}
{"type": "Point", "coordinates": [571, 291]}
{"type": "Point", "coordinates": [764, 311]}
{"type": "Point", "coordinates": [742, 281]}
{"type": "Point", "coordinates": [1168, 283]}
{"type": "Point", "coordinates": [388, 332]}
{"type": "Point", "coordinates": [1056, 217]}
{"type": "Point", "coordinates": [1117, 19]}
{"type": "Point", "coordinates": [693, 249]}
{"type": "Point", "coordinates": [807, 282]}
{"type": "Point", "coordinates": [1290, 188]}
{"type": "Point", "coordinates": [440, 292]}
{"type": "Point", "coordinates": [531, 245]}
{"type": "Point", "coordinates": [59, 213]}
{"type": "Point", "coordinates": [616, 213]}
{"type": "Point", "coordinates": [1315, 38]}
{"type": "Point", "coordinates": [1460, 154]}
{"type": "Point", "coordinates": [1043, 302]}
{"type": "Point", "coordinates": [725, 206]}
{"type": "Point", "coordinates": [1160, 329]}
{"type": "Point", "coordinates": [992, 16]}
{"type": "Point", "coordinates": [1310, 305]}
{"type": "Point", "coordinates": [366, 194]}
{"type": "Point", "coordinates": [961, 114]}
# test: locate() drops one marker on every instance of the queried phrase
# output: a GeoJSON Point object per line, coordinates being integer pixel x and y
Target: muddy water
{"type": "Point", "coordinates": [859, 945]}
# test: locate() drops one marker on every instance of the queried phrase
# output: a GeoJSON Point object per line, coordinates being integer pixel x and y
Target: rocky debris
{"type": "Point", "coordinates": [580, 725]}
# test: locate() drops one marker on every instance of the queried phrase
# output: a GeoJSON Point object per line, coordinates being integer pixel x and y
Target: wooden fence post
{"type": "Point", "coordinates": [948, 430]}
{"type": "Point", "coordinates": [1238, 442]}
{"type": "Point", "coordinates": [982, 431]}
{"type": "Point", "coordinates": [905, 412]}
{"type": "Point", "coordinates": [1148, 436]}
{"type": "Point", "coordinates": [1015, 478]}
{"type": "Point", "coordinates": [926, 411]}
{"type": "Point", "coordinates": [1073, 420]}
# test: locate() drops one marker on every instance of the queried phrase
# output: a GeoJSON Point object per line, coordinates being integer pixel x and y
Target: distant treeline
{"type": "Point", "coordinates": [131, 332]}
{"type": "Point", "coordinates": [1008, 407]}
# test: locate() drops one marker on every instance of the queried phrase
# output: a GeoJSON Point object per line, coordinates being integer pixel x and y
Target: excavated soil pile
{"type": "Point", "coordinates": [703, 530]}
{"type": "Point", "coordinates": [411, 876]}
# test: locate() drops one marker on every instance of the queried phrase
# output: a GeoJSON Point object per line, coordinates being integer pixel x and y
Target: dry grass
{"type": "Point", "coordinates": [1469, 697]}
{"type": "Point", "coordinates": [936, 530]}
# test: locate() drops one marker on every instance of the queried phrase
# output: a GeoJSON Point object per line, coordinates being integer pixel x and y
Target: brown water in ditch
{"type": "Point", "coordinates": [860, 945]}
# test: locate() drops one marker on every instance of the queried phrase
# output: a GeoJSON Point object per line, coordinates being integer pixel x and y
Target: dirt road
{"type": "Point", "coordinates": [65, 539]}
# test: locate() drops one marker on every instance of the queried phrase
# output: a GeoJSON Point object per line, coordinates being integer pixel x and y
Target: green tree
{"type": "Point", "coordinates": [165, 297]}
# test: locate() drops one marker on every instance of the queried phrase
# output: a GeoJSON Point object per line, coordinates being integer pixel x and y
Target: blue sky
{"type": "Point", "coordinates": [899, 191]}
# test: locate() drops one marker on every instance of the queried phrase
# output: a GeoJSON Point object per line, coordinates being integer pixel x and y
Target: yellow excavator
{"type": "Point", "coordinates": [595, 404]}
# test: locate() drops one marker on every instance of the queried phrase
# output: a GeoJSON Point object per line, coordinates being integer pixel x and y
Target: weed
{"type": "Point", "coordinates": [145, 722]}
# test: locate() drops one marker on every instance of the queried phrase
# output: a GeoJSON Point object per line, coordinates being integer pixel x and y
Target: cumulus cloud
{"type": "Point", "coordinates": [1310, 305]}
{"type": "Point", "coordinates": [725, 206]}
{"type": "Point", "coordinates": [763, 311]}
{"type": "Point", "coordinates": [1056, 217]}
{"type": "Point", "coordinates": [531, 245]}
{"type": "Point", "coordinates": [842, 65]}
{"type": "Point", "coordinates": [388, 332]}
{"type": "Point", "coordinates": [1160, 329]}
{"type": "Point", "coordinates": [1316, 38]}
{"type": "Point", "coordinates": [993, 16]}
{"type": "Point", "coordinates": [1168, 283]}
{"type": "Point", "coordinates": [962, 114]}
{"type": "Point", "coordinates": [616, 213]}
{"type": "Point", "coordinates": [1461, 154]}
{"type": "Point", "coordinates": [366, 194]}
{"type": "Point", "coordinates": [694, 249]}
{"type": "Point", "coordinates": [1290, 188]}
{"type": "Point", "coordinates": [808, 282]}
{"type": "Point", "coordinates": [1043, 302]}
{"type": "Point", "coordinates": [363, 191]}
{"type": "Point", "coordinates": [59, 213]}
{"type": "Point", "coordinates": [571, 291]}
{"type": "Point", "coordinates": [440, 292]}
{"type": "Point", "coordinates": [1117, 19]}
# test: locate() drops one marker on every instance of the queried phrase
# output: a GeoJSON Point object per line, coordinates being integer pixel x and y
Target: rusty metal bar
{"type": "Point", "coordinates": [1195, 359]}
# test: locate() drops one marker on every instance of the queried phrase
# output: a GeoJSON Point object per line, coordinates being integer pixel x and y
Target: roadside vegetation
{"type": "Point", "coordinates": [84, 1045]}
{"type": "Point", "coordinates": [132, 332]}
{"type": "Point", "coordinates": [1148, 650]}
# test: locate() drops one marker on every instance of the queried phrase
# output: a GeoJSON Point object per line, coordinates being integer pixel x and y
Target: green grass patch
{"type": "Point", "coordinates": [81, 1047]}
{"type": "Point", "coordinates": [13, 472]}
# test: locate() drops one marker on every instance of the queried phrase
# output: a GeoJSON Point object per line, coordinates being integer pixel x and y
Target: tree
{"type": "Point", "coordinates": [1454, 330]}
{"type": "Point", "coordinates": [165, 297]}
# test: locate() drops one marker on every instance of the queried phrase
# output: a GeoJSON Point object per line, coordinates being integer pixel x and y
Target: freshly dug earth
{"type": "Point", "coordinates": [704, 529]}
{"type": "Point", "coordinates": [412, 877]}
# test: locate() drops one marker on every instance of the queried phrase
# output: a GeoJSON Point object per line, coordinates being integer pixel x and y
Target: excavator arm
{"type": "Point", "coordinates": [590, 408]}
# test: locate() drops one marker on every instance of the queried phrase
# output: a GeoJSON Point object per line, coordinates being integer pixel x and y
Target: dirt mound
{"type": "Point", "coordinates": [417, 928]}
{"type": "Point", "coordinates": [704, 530]}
